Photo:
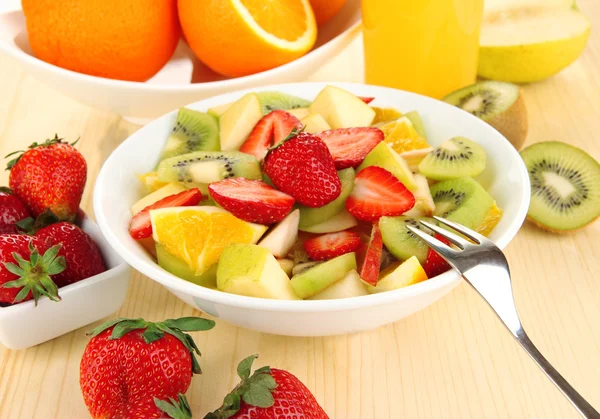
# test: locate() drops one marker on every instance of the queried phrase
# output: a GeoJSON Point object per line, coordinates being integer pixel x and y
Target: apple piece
{"type": "Point", "coordinates": [369, 262]}
{"type": "Point", "coordinates": [180, 268]}
{"type": "Point", "coordinates": [342, 109]}
{"type": "Point", "coordinates": [238, 121]}
{"type": "Point", "coordinates": [287, 265]}
{"type": "Point", "coordinates": [219, 109]}
{"type": "Point", "coordinates": [151, 182]}
{"type": "Point", "coordinates": [314, 123]}
{"type": "Point", "coordinates": [167, 190]}
{"type": "Point", "coordinates": [314, 280]}
{"type": "Point", "coordinates": [414, 157]}
{"type": "Point", "coordinates": [347, 287]}
{"type": "Point", "coordinates": [251, 270]}
{"type": "Point", "coordinates": [399, 275]}
{"type": "Point", "coordinates": [342, 221]}
{"type": "Point", "coordinates": [299, 113]}
{"type": "Point", "coordinates": [281, 238]}
{"type": "Point", "coordinates": [424, 205]}
{"type": "Point", "coordinates": [385, 157]}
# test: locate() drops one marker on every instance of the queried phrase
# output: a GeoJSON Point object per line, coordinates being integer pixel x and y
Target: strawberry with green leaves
{"type": "Point", "coordinates": [12, 210]}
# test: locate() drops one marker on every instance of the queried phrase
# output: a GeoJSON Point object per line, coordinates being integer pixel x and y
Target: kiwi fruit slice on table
{"type": "Point", "coordinates": [271, 101]}
{"type": "Point", "coordinates": [193, 131]}
{"type": "Point", "coordinates": [208, 166]}
{"type": "Point", "coordinates": [565, 186]}
{"type": "Point", "coordinates": [500, 104]}
{"type": "Point", "coordinates": [463, 201]}
{"type": "Point", "coordinates": [455, 158]}
{"type": "Point", "coordinates": [400, 241]}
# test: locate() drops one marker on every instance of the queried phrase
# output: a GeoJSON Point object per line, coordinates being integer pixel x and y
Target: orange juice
{"type": "Point", "coordinates": [424, 46]}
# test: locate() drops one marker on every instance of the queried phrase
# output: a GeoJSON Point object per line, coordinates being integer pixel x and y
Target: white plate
{"type": "Point", "coordinates": [117, 187]}
{"type": "Point", "coordinates": [172, 87]}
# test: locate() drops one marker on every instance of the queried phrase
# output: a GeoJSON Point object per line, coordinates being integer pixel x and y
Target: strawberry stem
{"type": "Point", "coordinates": [176, 409]}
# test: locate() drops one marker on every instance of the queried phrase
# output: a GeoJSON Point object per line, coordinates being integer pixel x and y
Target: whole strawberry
{"type": "Point", "coordinates": [50, 176]}
{"type": "Point", "coordinates": [27, 267]}
{"type": "Point", "coordinates": [269, 393]}
{"type": "Point", "coordinates": [82, 256]}
{"type": "Point", "coordinates": [302, 167]}
{"type": "Point", "coordinates": [12, 210]}
{"type": "Point", "coordinates": [130, 366]}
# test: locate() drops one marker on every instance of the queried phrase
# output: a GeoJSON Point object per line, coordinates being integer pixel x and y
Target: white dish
{"type": "Point", "coordinates": [172, 87]}
{"type": "Point", "coordinates": [84, 302]}
{"type": "Point", "coordinates": [117, 187]}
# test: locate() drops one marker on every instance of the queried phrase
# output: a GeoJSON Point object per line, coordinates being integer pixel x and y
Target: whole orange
{"type": "Point", "coordinates": [117, 39]}
{"type": "Point", "coordinates": [326, 9]}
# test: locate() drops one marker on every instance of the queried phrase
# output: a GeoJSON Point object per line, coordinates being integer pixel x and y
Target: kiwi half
{"type": "Point", "coordinates": [499, 104]}
{"type": "Point", "coordinates": [193, 131]}
{"type": "Point", "coordinates": [271, 101]}
{"type": "Point", "coordinates": [462, 200]}
{"type": "Point", "coordinates": [565, 186]}
{"type": "Point", "coordinates": [455, 158]}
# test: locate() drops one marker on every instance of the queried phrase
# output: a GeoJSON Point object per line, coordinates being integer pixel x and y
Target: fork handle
{"type": "Point", "coordinates": [585, 409]}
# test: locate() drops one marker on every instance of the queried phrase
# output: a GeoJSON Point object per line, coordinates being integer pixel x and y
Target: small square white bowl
{"type": "Point", "coordinates": [24, 325]}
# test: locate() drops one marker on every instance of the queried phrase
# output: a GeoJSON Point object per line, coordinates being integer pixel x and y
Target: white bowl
{"type": "Point", "coordinates": [117, 187]}
{"type": "Point", "coordinates": [172, 87]}
{"type": "Point", "coordinates": [84, 302]}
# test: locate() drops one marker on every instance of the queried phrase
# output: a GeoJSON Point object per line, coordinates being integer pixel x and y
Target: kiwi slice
{"type": "Point", "coordinates": [193, 131]}
{"type": "Point", "coordinates": [565, 186]}
{"type": "Point", "coordinates": [208, 166]}
{"type": "Point", "coordinates": [400, 241]}
{"type": "Point", "coordinates": [458, 157]}
{"type": "Point", "coordinates": [462, 200]}
{"type": "Point", "coordinates": [499, 104]}
{"type": "Point", "coordinates": [271, 101]}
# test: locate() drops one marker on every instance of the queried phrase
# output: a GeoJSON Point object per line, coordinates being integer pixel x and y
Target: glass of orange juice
{"type": "Point", "coordinates": [424, 46]}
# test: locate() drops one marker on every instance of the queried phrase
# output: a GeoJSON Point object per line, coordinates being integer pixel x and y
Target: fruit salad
{"type": "Point", "coordinates": [275, 196]}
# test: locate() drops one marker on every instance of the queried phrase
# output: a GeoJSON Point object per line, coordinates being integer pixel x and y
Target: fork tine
{"type": "Point", "coordinates": [441, 248]}
{"type": "Point", "coordinates": [473, 235]}
{"type": "Point", "coordinates": [453, 238]}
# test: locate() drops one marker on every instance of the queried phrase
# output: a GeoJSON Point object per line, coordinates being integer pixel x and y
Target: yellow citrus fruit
{"type": "Point", "coordinates": [198, 235]}
{"type": "Point", "coordinates": [491, 220]}
{"type": "Point", "coordinates": [150, 181]}
{"type": "Point", "coordinates": [385, 115]}
{"type": "Point", "coordinates": [241, 37]}
{"type": "Point", "coordinates": [402, 136]}
{"type": "Point", "coordinates": [326, 9]}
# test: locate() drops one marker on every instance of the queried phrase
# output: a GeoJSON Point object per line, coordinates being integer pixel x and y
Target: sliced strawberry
{"type": "Point", "coordinates": [370, 264]}
{"type": "Point", "coordinates": [141, 226]}
{"type": "Point", "coordinates": [270, 130]}
{"type": "Point", "coordinates": [435, 264]}
{"type": "Point", "coordinates": [350, 146]}
{"type": "Point", "coordinates": [251, 200]}
{"type": "Point", "coordinates": [329, 246]}
{"type": "Point", "coordinates": [377, 193]}
{"type": "Point", "coordinates": [367, 100]}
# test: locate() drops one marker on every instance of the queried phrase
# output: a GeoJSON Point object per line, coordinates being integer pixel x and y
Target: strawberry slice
{"type": "Point", "coordinates": [365, 99]}
{"type": "Point", "coordinates": [435, 264]}
{"type": "Point", "coordinates": [377, 193]}
{"type": "Point", "coordinates": [270, 130]}
{"type": "Point", "coordinates": [141, 226]}
{"type": "Point", "coordinates": [369, 266]}
{"type": "Point", "coordinates": [251, 200]}
{"type": "Point", "coordinates": [329, 246]}
{"type": "Point", "coordinates": [350, 146]}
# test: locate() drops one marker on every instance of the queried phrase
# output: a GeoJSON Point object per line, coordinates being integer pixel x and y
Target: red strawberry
{"type": "Point", "coordinates": [12, 210]}
{"type": "Point", "coordinates": [50, 176]}
{"type": "Point", "coordinates": [435, 264]}
{"type": "Point", "coordinates": [141, 226]}
{"type": "Point", "coordinates": [377, 193]}
{"type": "Point", "coordinates": [269, 393]}
{"type": "Point", "coordinates": [251, 200]}
{"type": "Point", "coordinates": [270, 130]}
{"type": "Point", "coordinates": [27, 269]}
{"type": "Point", "coordinates": [81, 253]}
{"type": "Point", "coordinates": [328, 246]}
{"type": "Point", "coordinates": [129, 363]}
{"type": "Point", "coordinates": [303, 168]}
{"type": "Point", "coordinates": [350, 146]}
{"type": "Point", "coordinates": [367, 100]}
{"type": "Point", "coordinates": [370, 265]}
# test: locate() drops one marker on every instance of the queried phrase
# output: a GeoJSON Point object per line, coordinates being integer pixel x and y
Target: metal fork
{"type": "Point", "coordinates": [483, 265]}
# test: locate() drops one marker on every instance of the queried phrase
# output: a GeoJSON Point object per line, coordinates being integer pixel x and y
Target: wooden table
{"type": "Point", "coordinates": [451, 360]}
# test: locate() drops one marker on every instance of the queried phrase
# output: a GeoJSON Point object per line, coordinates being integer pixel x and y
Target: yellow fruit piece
{"type": "Point", "coordinates": [167, 190]}
{"type": "Point", "coordinates": [198, 235]}
{"type": "Point", "coordinates": [402, 136]}
{"type": "Point", "coordinates": [399, 275]}
{"type": "Point", "coordinates": [241, 37]}
{"type": "Point", "coordinates": [491, 220]}
{"type": "Point", "coordinates": [385, 115]}
{"type": "Point", "coordinates": [150, 180]}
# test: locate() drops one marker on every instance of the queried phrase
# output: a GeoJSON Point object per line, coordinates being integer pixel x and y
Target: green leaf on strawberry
{"type": "Point", "coordinates": [176, 409]}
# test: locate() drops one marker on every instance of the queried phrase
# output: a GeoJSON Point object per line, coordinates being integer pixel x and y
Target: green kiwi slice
{"type": "Point", "coordinates": [462, 200]}
{"type": "Point", "coordinates": [458, 157]}
{"type": "Point", "coordinates": [271, 101]}
{"type": "Point", "coordinates": [193, 131]}
{"type": "Point", "coordinates": [400, 241]}
{"type": "Point", "coordinates": [565, 186]}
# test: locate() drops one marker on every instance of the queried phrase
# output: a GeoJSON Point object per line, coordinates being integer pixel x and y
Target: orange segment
{"type": "Point", "coordinates": [402, 136]}
{"type": "Point", "coordinates": [226, 229]}
{"type": "Point", "coordinates": [491, 220]}
{"type": "Point", "coordinates": [385, 115]}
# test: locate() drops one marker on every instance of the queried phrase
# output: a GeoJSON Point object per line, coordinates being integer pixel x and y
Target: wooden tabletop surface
{"type": "Point", "coordinates": [452, 360]}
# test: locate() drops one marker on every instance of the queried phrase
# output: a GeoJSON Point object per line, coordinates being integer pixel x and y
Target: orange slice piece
{"type": "Point", "coordinates": [490, 221]}
{"type": "Point", "coordinates": [402, 136]}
